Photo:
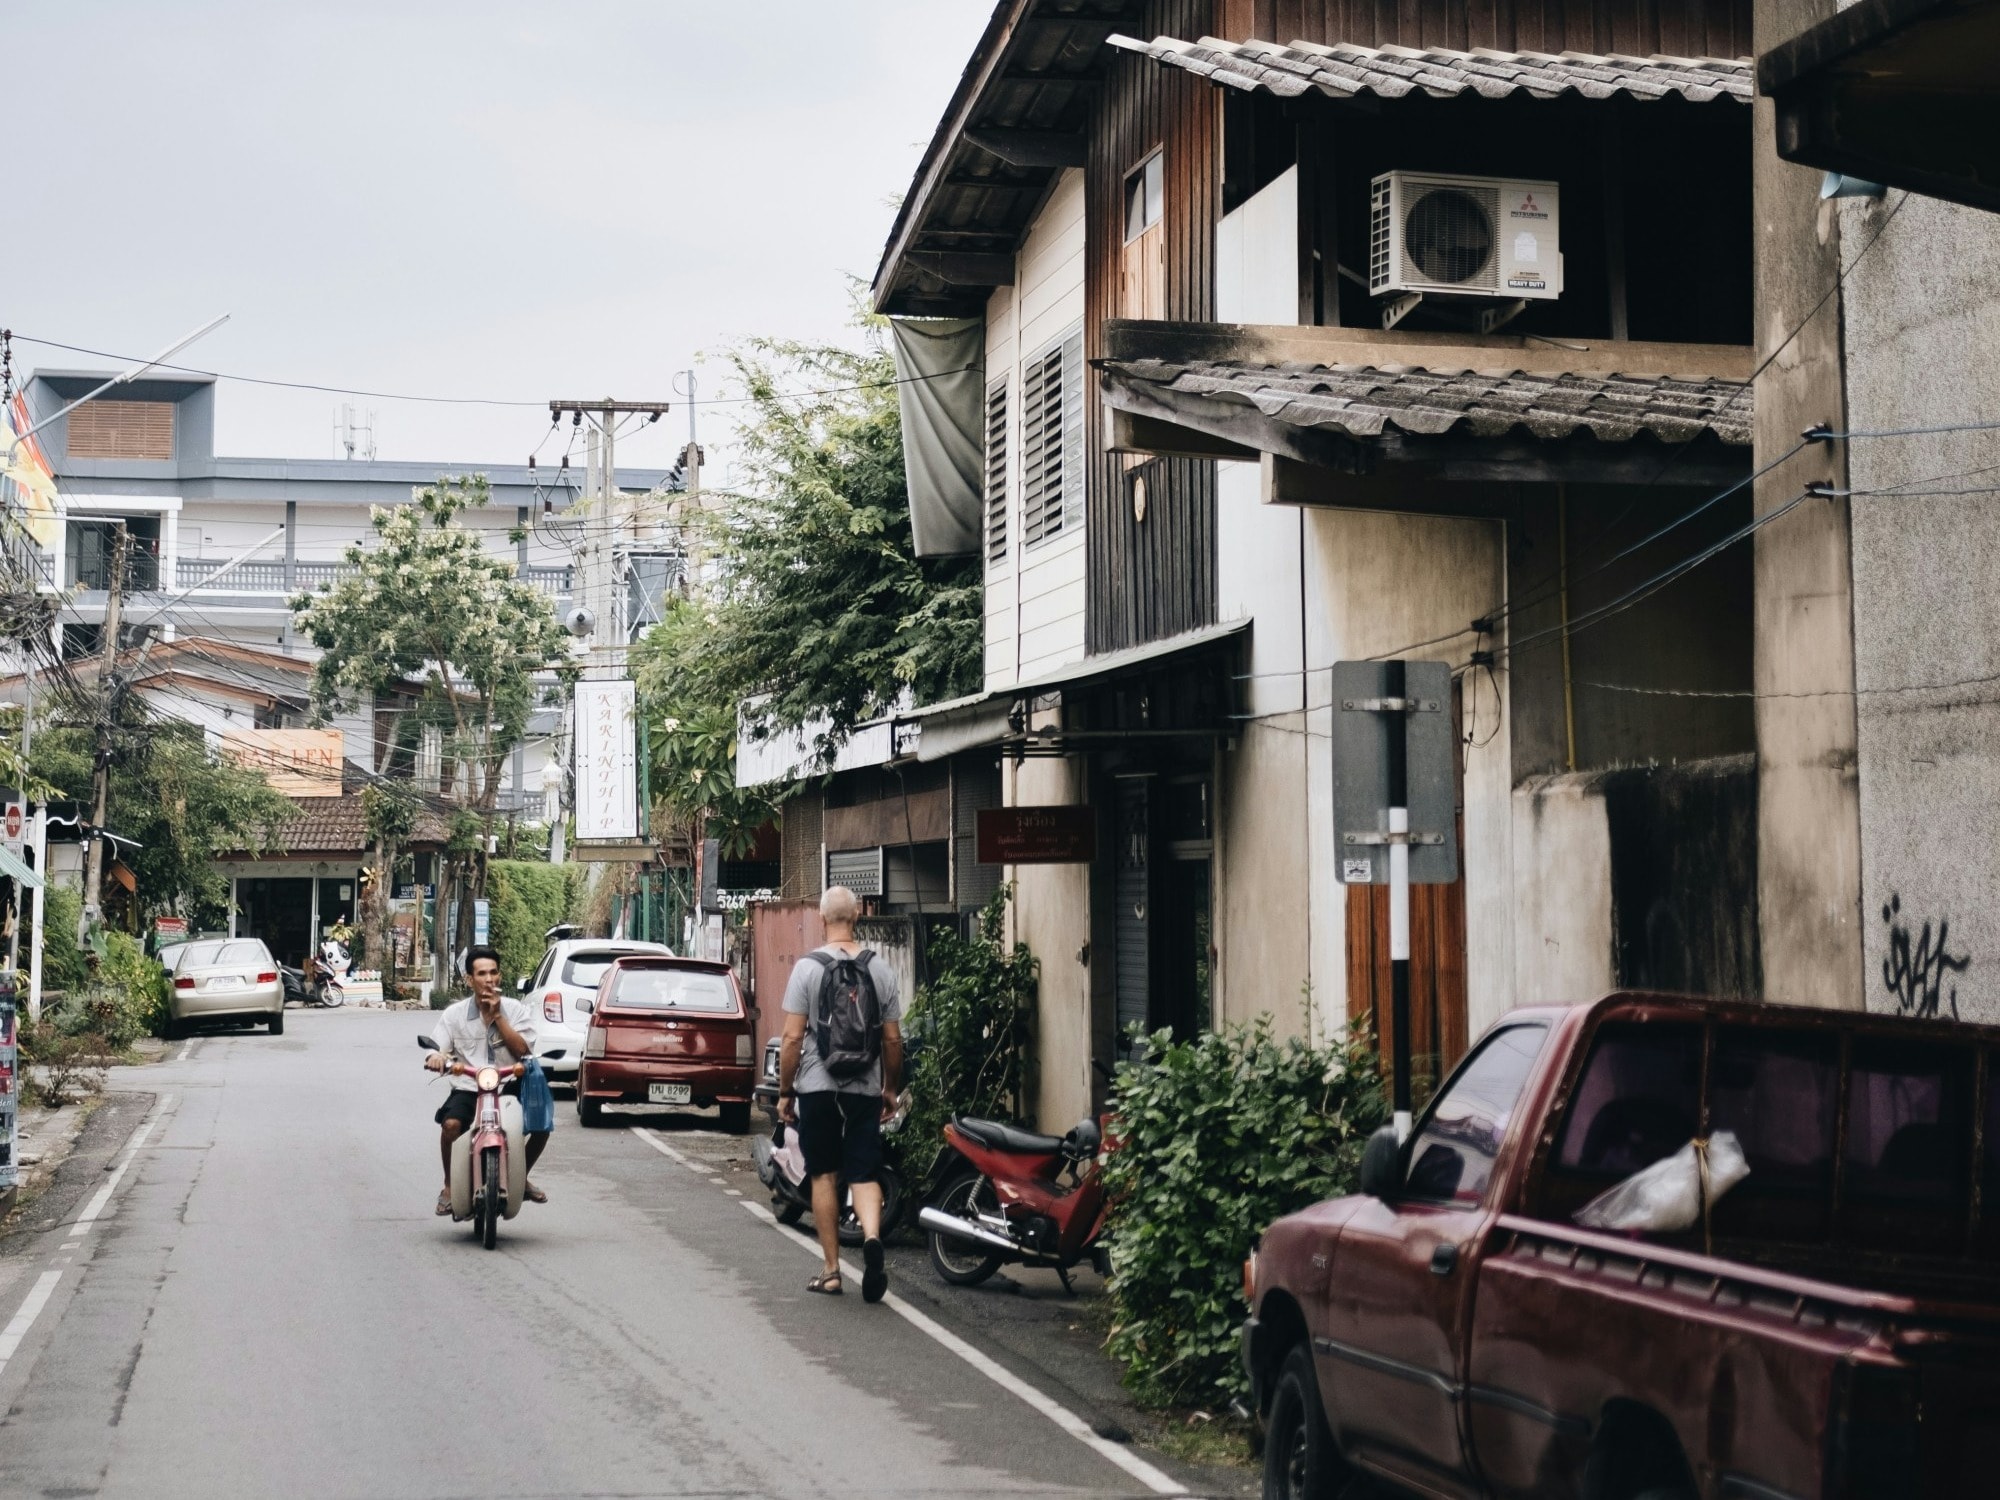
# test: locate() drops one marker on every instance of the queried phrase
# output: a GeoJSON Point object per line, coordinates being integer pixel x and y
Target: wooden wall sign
{"type": "Point", "coordinates": [1037, 835]}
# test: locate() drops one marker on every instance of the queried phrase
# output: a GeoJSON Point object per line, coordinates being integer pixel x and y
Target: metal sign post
{"type": "Point", "coordinates": [1395, 808]}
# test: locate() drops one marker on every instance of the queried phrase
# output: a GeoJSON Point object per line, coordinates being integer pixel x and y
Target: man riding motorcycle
{"type": "Point", "coordinates": [483, 1030]}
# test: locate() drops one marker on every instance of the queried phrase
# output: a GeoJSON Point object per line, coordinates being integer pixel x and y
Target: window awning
{"type": "Point", "coordinates": [1351, 402]}
{"type": "Point", "coordinates": [986, 718]}
{"type": "Point", "coordinates": [13, 869]}
{"type": "Point", "coordinates": [1346, 70]}
{"type": "Point", "coordinates": [1897, 92]}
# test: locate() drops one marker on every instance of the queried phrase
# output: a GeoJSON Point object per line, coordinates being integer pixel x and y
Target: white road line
{"type": "Point", "coordinates": [17, 1329]}
{"type": "Point", "coordinates": [993, 1370]}
{"type": "Point", "coordinates": [186, 1050]}
{"type": "Point", "coordinates": [98, 1204]}
{"type": "Point", "coordinates": [661, 1146]}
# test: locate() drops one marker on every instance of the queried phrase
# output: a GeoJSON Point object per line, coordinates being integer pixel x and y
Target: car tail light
{"type": "Point", "coordinates": [183, 983]}
{"type": "Point", "coordinates": [269, 976]}
{"type": "Point", "coordinates": [593, 1042]}
{"type": "Point", "coordinates": [745, 1043]}
{"type": "Point", "coordinates": [552, 1006]}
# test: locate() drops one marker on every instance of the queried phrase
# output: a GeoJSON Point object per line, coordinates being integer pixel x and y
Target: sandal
{"type": "Point", "coordinates": [534, 1194]}
{"type": "Point", "coordinates": [827, 1284]}
{"type": "Point", "coordinates": [874, 1279]}
{"type": "Point", "coordinates": [444, 1203]}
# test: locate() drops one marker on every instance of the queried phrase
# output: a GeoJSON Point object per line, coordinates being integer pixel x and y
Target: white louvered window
{"type": "Point", "coordinates": [996, 471]}
{"type": "Point", "coordinates": [1052, 441]}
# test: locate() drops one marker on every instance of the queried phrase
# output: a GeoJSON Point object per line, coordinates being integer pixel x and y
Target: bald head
{"type": "Point", "coordinates": [839, 907]}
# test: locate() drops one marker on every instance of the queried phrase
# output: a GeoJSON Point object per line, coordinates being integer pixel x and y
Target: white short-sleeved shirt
{"type": "Point", "coordinates": [460, 1032]}
{"type": "Point", "coordinates": [802, 996]}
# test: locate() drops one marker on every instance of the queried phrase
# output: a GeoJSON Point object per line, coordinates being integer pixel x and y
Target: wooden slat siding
{"type": "Point", "coordinates": [122, 429]}
{"type": "Point", "coordinates": [1682, 28]}
{"type": "Point", "coordinates": [1154, 578]}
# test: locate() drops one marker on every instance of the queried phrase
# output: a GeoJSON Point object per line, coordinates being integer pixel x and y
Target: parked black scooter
{"type": "Point", "coordinates": [781, 1163]}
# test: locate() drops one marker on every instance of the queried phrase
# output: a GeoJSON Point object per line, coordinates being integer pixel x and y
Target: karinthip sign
{"type": "Point", "coordinates": [607, 793]}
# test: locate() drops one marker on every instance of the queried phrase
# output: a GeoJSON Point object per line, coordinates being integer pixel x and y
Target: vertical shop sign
{"type": "Point", "coordinates": [607, 798]}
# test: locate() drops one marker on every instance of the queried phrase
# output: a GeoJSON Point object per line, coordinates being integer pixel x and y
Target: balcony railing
{"type": "Point", "coordinates": [268, 577]}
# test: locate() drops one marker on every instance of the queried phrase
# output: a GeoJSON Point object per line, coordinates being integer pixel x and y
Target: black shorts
{"type": "Point", "coordinates": [841, 1133]}
{"type": "Point", "coordinates": [463, 1103]}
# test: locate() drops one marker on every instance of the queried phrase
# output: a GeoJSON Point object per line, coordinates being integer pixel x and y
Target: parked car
{"type": "Point", "coordinates": [672, 1031]}
{"type": "Point", "coordinates": [1829, 1326]}
{"type": "Point", "coordinates": [567, 980]}
{"type": "Point", "coordinates": [225, 979]}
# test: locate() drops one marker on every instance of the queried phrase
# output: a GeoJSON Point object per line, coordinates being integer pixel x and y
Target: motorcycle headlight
{"type": "Point", "coordinates": [489, 1079]}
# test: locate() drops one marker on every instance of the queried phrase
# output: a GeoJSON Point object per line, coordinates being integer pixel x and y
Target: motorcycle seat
{"type": "Point", "coordinates": [996, 1136]}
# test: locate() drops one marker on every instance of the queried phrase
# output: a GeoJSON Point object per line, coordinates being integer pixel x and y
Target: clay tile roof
{"type": "Point", "coordinates": [1364, 401]}
{"type": "Point", "coordinates": [339, 825]}
{"type": "Point", "coordinates": [1345, 69]}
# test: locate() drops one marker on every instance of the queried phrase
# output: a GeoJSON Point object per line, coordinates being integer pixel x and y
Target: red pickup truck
{"type": "Point", "coordinates": [1832, 1330]}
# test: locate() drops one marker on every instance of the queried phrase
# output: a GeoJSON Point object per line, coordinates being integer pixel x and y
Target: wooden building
{"type": "Point", "coordinates": [1227, 446]}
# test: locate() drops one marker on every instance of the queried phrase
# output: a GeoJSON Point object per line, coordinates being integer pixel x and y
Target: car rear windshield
{"type": "Point", "coordinates": [233, 951]}
{"type": "Point", "coordinates": [674, 989]}
{"type": "Point", "coordinates": [586, 970]}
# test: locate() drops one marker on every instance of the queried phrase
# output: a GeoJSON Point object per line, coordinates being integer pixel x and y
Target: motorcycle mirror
{"type": "Point", "coordinates": [427, 1044]}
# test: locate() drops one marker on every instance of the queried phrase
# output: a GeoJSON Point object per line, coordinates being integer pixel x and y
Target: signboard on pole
{"type": "Point", "coordinates": [13, 822]}
{"type": "Point", "coordinates": [606, 760]}
{"type": "Point", "coordinates": [1037, 835]}
{"type": "Point", "coordinates": [1363, 722]}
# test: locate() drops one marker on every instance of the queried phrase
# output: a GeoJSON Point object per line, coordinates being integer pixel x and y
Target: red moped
{"type": "Point", "coordinates": [1011, 1196]}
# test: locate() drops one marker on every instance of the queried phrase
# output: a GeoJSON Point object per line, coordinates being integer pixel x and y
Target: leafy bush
{"type": "Point", "coordinates": [525, 899]}
{"type": "Point", "coordinates": [61, 1058]}
{"type": "Point", "coordinates": [1217, 1137]}
{"type": "Point", "coordinates": [128, 998]}
{"type": "Point", "coordinates": [971, 1028]}
{"type": "Point", "coordinates": [63, 965]}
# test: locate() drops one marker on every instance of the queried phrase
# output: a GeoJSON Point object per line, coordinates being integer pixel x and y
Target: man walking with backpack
{"type": "Point", "coordinates": [839, 1072]}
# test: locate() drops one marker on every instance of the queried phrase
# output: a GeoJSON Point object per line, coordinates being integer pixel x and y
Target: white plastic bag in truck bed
{"type": "Point", "coordinates": [1669, 1194]}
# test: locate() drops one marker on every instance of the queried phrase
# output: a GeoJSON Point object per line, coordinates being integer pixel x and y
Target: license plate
{"type": "Point", "coordinates": [227, 982]}
{"type": "Point", "coordinates": [669, 1093]}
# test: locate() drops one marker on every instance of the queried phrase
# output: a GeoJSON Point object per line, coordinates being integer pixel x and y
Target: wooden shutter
{"type": "Point", "coordinates": [122, 429]}
{"type": "Point", "coordinates": [996, 471]}
{"type": "Point", "coordinates": [1052, 441]}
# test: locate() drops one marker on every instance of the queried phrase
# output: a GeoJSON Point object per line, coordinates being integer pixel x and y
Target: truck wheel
{"type": "Point", "coordinates": [1300, 1459]}
{"type": "Point", "coordinates": [588, 1111]}
{"type": "Point", "coordinates": [735, 1119]}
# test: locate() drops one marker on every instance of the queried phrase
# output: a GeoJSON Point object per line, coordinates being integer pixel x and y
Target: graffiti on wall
{"type": "Point", "coordinates": [1915, 974]}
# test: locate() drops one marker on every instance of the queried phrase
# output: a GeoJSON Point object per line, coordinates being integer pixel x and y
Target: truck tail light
{"type": "Point", "coordinates": [745, 1043]}
{"type": "Point", "coordinates": [593, 1042]}
{"type": "Point", "coordinates": [184, 983]}
{"type": "Point", "coordinates": [552, 1009]}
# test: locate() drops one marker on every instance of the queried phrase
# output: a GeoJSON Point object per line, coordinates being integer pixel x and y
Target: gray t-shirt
{"type": "Point", "coordinates": [801, 998]}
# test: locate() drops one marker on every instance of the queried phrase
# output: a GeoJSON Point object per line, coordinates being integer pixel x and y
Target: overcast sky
{"type": "Point", "coordinates": [486, 199]}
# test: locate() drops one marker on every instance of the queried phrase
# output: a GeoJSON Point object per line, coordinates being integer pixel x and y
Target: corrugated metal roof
{"type": "Point", "coordinates": [1345, 70]}
{"type": "Point", "coordinates": [1365, 401]}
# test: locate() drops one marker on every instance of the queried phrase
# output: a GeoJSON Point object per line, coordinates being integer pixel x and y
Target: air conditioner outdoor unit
{"type": "Point", "coordinates": [1489, 237]}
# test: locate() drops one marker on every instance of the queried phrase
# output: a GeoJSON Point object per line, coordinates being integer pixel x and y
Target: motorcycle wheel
{"type": "Point", "coordinates": [489, 1193]}
{"type": "Point", "coordinates": [961, 1262]}
{"type": "Point", "coordinates": [788, 1210]}
{"type": "Point", "coordinates": [332, 997]}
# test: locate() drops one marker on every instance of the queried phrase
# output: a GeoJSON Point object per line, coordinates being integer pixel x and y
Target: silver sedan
{"type": "Point", "coordinates": [226, 979]}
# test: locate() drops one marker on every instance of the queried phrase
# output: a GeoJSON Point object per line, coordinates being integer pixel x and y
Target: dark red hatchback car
{"type": "Point", "coordinates": [668, 1031]}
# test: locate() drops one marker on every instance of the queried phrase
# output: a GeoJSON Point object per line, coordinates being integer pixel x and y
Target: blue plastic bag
{"type": "Point", "coordinates": [538, 1104]}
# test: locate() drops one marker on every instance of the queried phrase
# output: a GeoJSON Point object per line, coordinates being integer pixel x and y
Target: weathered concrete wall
{"type": "Point", "coordinates": [1922, 324]}
{"type": "Point", "coordinates": [1809, 828]}
{"type": "Point", "coordinates": [1562, 900]}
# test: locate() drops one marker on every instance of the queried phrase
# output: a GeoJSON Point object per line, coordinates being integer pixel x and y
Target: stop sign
{"type": "Point", "coordinates": [13, 823]}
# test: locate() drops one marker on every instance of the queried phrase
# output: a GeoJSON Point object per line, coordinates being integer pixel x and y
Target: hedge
{"type": "Point", "coordinates": [525, 898]}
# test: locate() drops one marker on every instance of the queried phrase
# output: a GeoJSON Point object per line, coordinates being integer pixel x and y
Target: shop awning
{"type": "Point", "coordinates": [13, 869]}
{"type": "Point", "coordinates": [987, 718]}
{"type": "Point", "coordinates": [1898, 92]}
{"type": "Point", "coordinates": [1345, 71]}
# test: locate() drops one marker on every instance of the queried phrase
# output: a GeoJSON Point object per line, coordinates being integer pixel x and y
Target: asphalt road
{"type": "Point", "coordinates": [257, 1300]}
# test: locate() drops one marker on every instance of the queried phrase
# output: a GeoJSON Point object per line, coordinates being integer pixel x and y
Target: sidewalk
{"type": "Point", "coordinates": [1021, 1316]}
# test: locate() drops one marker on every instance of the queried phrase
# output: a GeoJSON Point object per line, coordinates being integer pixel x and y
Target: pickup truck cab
{"type": "Point", "coordinates": [1832, 1330]}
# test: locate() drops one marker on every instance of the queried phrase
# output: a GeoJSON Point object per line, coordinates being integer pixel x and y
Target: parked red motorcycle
{"type": "Point", "coordinates": [1012, 1196]}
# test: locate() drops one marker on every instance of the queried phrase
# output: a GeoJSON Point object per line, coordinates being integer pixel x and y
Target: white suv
{"type": "Point", "coordinates": [563, 988]}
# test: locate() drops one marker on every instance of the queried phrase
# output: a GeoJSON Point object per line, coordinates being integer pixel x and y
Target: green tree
{"type": "Point", "coordinates": [823, 610]}
{"type": "Point", "coordinates": [177, 798]}
{"type": "Point", "coordinates": [427, 603]}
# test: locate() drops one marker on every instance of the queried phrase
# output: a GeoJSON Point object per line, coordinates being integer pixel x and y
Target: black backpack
{"type": "Point", "coordinates": [847, 1023]}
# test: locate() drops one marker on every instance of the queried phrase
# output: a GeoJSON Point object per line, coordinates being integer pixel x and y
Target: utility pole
{"type": "Point", "coordinates": [598, 560]}
{"type": "Point", "coordinates": [93, 873]}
